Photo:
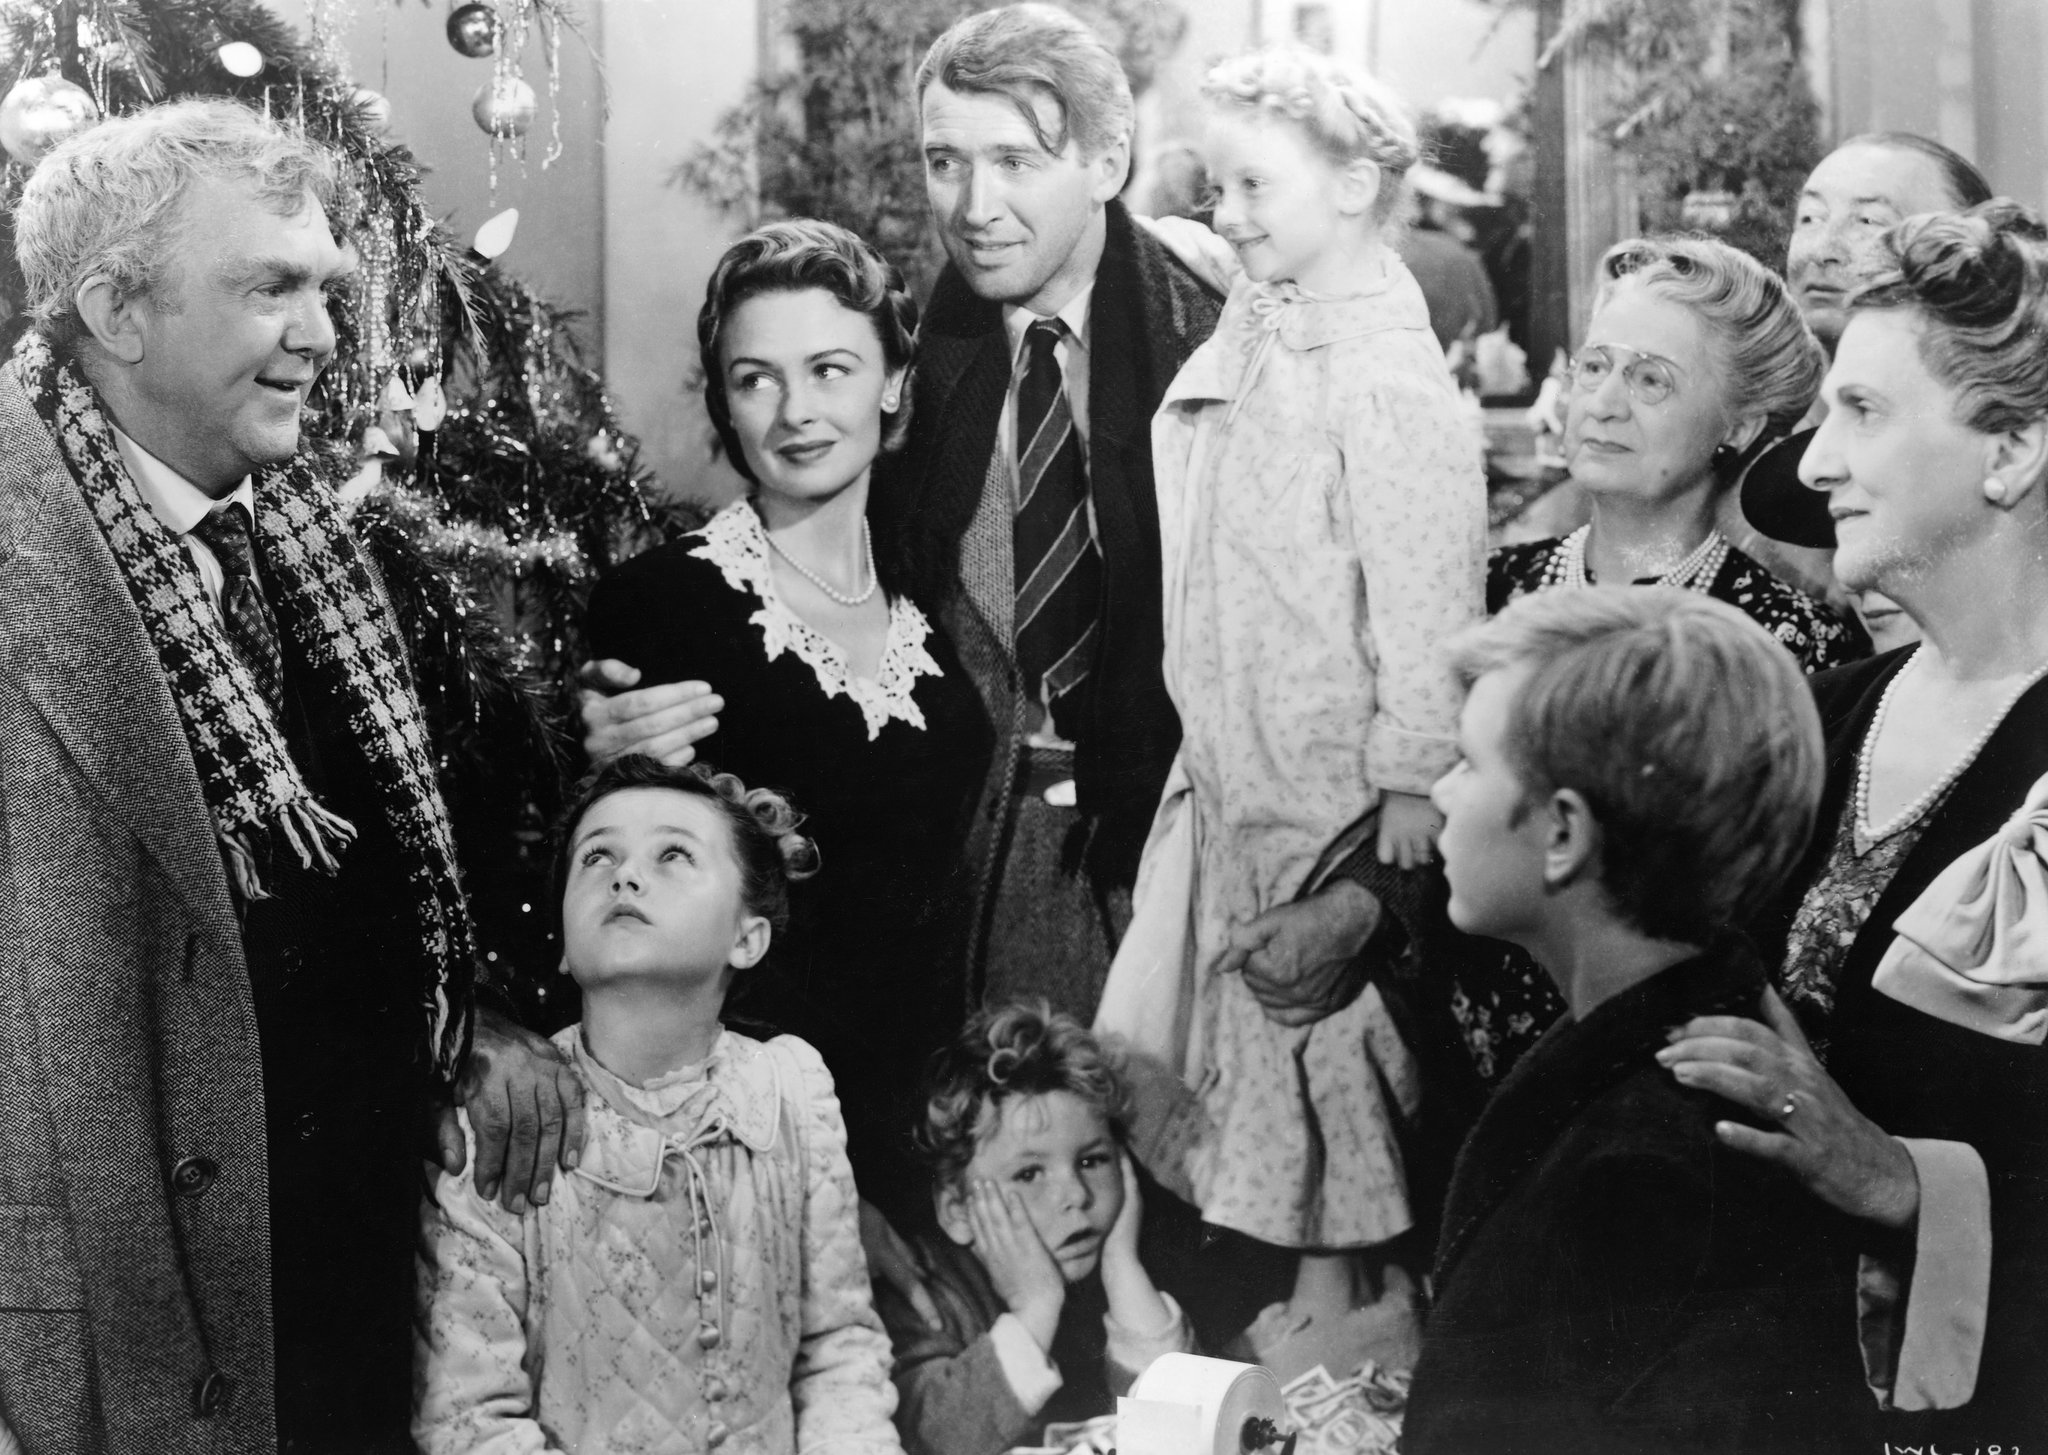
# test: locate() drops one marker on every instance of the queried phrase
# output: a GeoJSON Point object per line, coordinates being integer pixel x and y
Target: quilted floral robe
{"type": "Point", "coordinates": [696, 1284]}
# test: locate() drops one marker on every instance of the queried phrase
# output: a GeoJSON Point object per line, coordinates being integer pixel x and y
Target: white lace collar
{"type": "Point", "coordinates": [735, 542]}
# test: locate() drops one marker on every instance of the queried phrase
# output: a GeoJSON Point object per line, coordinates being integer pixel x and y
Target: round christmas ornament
{"type": "Point", "coordinates": [505, 107]}
{"type": "Point", "coordinates": [375, 109]}
{"type": "Point", "coordinates": [473, 30]}
{"type": "Point", "coordinates": [239, 58]}
{"type": "Point", "coordinates": [41, 112]}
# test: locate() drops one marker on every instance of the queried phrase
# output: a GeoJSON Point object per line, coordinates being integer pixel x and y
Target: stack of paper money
{"type": "Point", "coordinates": [1359, 1415]}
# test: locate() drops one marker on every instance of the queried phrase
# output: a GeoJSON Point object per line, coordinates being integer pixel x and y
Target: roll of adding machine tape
{"type": "Point", "coordinates": [1185, 1404]}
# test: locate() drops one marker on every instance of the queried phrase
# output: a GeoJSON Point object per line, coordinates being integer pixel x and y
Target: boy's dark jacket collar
{"type": "Point", "coordinates": [1574, 1064]}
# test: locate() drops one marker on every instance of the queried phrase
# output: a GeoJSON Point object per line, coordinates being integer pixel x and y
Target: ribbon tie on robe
{"type": "Point", "coordinates": [1973, 948]}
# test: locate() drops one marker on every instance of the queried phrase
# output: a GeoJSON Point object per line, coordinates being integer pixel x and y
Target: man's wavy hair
{"type": "Point", "coordinates": [109, 200]}
{"type": "Point", "coordinates": [1001, 1055]}
{"type": "Point", "coordinates": [1024, 52]}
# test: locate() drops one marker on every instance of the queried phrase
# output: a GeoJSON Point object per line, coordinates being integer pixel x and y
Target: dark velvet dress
{"type": "Point", "coordinates": [870, 969]}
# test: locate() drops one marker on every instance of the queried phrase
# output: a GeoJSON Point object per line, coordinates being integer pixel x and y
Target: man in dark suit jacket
{"type": "Point", "coordinates": [235, 964]}
{"type": "Point", "coordinates": [1641, 768]}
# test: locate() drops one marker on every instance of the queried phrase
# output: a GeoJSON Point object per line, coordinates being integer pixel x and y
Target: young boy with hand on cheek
{"type": "Point", "coordinates": [1641, 768]}
{"type": "Point", "coordinates": [1047, 1313]}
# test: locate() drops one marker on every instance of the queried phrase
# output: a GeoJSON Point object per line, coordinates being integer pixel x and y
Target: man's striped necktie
{"type": "Point", "coordinates": [1059, 568]}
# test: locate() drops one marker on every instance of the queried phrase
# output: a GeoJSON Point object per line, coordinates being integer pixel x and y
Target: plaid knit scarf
{"type": "Point", "coordinates": [324, 599]}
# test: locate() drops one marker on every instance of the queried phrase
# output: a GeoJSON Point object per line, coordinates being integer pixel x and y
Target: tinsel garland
{"type": "Point", "coordinates": [487, 532]}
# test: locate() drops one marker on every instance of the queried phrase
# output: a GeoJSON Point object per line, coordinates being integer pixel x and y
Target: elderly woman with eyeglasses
{"type": "Point", "coordinates": [1695, 358]}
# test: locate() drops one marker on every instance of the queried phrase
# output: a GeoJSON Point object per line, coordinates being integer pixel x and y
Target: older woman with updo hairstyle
{"type": "Point", "coordinates": [837, 688]}
{"type": "Point", "coordinates": [1902, 1077]}
{"type": "Point", "coordinates": [1695, 357]}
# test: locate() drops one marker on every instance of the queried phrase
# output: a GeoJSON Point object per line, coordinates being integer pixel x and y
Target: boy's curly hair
{"type": "Point", "coordinates": [770, 852]}
{"type": "Point", "coordinates": [1005, 1052]}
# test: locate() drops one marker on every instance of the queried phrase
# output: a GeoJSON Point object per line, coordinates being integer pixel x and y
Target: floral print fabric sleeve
{"type": "Point", "coordinates": [840, 1380]}
{"type": "Point", "coordinates": [474, 1395]}
{"type": "Point", "coordinates": [1418, 520]}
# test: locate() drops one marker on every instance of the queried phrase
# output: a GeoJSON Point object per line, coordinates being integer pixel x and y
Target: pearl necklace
{"type": "Point", "coordinates": [1567, 565]}
{"type": "Point", "coordinates": [1865, 834]}
{"type": "Point", "coordinates": [867, 541]}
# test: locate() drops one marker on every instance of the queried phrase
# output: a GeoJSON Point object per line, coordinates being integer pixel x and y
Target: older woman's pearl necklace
{"type": "Point", "coordinates": [1865, 833]}
{"type": "Point", "coordinates": [867, 542]}
{"type": "Point", "coordinates": [1567, 565]}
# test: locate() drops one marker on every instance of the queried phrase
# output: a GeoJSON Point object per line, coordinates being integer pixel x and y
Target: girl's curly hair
{"type": "Point", "coordinates": [1347, 113]}
{"type": "Point", "coordinates": [771, 854]}
{"type": "Point", "coordinates": [1011, 1051]}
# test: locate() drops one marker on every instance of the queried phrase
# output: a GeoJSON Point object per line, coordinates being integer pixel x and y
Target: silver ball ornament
{"type": "Point", "coordinates": [473, 30]}
{"type": "Point", "coordinates": [375, 109]}
{"type": "Point", "coordinates": [505, 107]}
{"type": "Point", "coordinates": [41, 112]}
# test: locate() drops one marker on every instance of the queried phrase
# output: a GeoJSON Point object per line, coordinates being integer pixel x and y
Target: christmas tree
{"type": "Point", "coordinates": [460, 423]}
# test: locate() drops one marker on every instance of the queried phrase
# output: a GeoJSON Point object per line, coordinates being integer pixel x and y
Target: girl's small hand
{"type": "Point", "coordinates": [1841, 1155]}
{"type": "Point", "coordinates": [1019, 1264]}
{"type": "Point", "coordinates": [1120, 1248]}
{"type": "Point", "coordinates": [1409, 824]}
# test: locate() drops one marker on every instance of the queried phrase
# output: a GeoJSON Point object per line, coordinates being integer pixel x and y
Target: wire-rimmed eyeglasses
{"type": "Point", "coordinates": [1649, 378]}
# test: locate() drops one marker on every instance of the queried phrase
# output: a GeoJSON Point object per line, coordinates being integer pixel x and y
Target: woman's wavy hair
{"type": "Point", "coordinates": [796, 256]}
{"type": "Point", "coordinates": [1979, 279]}
{"type": "Point", "coordinates": [1771, 364]}
{"type": "Point", "coordinates": [1002, 1054]}
{"type": "Point", "coordinates": [1346, 112]}
{"type": "Point", "coordinates": [761, 825]}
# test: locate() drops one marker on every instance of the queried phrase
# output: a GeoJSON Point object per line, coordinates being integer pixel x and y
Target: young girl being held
{"type": "Point", "coordinates": [696, 1283]}
{"type": "Point", "coordinates": [1323, 515]}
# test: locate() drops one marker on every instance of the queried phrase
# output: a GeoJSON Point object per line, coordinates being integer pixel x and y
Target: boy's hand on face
{"type": "Point", "coordinates": [1019, 1264]}
{"type": "Point", "coordinates": [1134, 1301]}
{"type": "Point", "coordinates": [1120, 1248]}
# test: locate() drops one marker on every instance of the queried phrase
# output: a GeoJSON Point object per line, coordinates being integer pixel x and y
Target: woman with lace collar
{"type": "Point", "coordinates": [1906, 1082]}
{"type": "Point", "coordinates": [836, 686]}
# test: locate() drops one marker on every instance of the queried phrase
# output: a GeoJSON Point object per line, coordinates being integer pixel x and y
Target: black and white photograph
{"type": "Point", "coordinates": [1074, 727]}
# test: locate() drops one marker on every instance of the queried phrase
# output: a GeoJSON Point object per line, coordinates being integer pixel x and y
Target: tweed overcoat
{"type": "Point", "coordinates": [948, 493]}
{"type": "Point", "coordinates": [134, 1218]}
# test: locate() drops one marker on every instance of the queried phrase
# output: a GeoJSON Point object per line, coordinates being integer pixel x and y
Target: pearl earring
{"type": "Point", "coordinates": [1994, 489]}
{"type": "Point", "coordinates": [889, 403]}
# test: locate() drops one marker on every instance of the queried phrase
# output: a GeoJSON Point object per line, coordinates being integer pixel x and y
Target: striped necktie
{"type": "Point", "coordinates": [1059, 569]}
{"type": "Point", "coordinates": [245, 611]}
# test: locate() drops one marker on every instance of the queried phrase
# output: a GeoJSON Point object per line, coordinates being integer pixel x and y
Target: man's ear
{"type": "Point", "coordinates": [114, 319]}
{"type": "Point", "coordinates": [949, 1202]}
{"type": "Point", "coordinates": [2019, 458]}
{"type": "Point", "coordinates": [1571, 849]}
{"type": "Point", "coordinates": [1109, 169]}
{"type": "Point", "coordinates": [751, 943]}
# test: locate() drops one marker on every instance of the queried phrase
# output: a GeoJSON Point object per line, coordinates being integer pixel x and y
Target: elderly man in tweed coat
{"type": "Point", "coordinates": [235, 963]}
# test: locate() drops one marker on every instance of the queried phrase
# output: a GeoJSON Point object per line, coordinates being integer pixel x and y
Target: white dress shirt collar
{"type": "Point", "coordinates": [176, 502]}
